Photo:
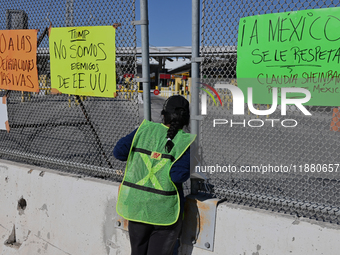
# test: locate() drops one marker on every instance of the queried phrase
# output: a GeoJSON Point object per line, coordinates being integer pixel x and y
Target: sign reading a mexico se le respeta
{"type": "Point", "coordinates": [293, 49]}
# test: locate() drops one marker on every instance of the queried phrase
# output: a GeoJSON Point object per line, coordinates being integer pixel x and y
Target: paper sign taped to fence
{"type": "Point", "coordinates": [3, 114]}
{"type": "Point", "coordinates": [291, 49]}
{"type": "Point", "coordinates": [83, 60]}
{"type": "Point", "coordinates": [18, 60]}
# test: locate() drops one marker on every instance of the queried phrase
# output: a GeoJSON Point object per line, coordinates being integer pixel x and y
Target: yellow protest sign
{"type": "Point", "coordinates": [18, 60]}
{"type": "Point", "coordinates": [83, 60]}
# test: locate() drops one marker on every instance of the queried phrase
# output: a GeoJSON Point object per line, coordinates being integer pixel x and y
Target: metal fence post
{"type": "Point", "coordinates": [69, 13]}
{"type": "Point", "coordinates": [145, 58]}
{"type": "Point", "coordinates": [194, 123]}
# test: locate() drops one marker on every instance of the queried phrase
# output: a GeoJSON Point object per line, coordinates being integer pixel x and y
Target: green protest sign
{"type": "Point", "coordinates": [291, 49]}
{"type": "Point", "coordinates": [83, 60]}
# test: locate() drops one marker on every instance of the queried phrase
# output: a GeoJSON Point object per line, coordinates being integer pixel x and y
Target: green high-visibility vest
{"type": "Point", "coordinates": [147, 193]}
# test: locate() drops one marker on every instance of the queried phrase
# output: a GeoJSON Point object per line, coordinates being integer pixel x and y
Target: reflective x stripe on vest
{"type": "Point", "coordinates": [151, 175]}
{"type": "Point", "coordinates": [152, 171]}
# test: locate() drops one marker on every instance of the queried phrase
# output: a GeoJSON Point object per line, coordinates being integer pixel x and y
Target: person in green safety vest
{"type": "Point", "coordinates": [151, 194]}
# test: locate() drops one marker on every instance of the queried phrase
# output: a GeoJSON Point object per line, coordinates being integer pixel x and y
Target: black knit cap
{"type": "Point", "coordinates": [175, 102]}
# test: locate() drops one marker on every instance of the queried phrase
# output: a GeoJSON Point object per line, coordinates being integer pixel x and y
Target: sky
{"type": "Point", "coordinates": [169, 22]}
{"type": "Point", "coordinates": [169, 25]}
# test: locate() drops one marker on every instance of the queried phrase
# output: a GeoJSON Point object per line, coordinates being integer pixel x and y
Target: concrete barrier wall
{"type": "Point", "coordinates": [245, 231]}
{"type": "Point", "coordinates": [47, 212]}
{"type": "Point", "coordinates": [64, 214]}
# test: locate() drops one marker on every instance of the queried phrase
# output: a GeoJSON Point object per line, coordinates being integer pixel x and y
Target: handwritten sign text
{"type": "Point", "coordinates": [83, 60]}
{"type": "Point", "coordinates": [292, 49]}
{"type": "Point", "coordinates": [18, 60]}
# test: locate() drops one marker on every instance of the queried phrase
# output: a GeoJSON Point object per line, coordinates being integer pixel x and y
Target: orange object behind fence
{"type": "Point", "coordinates": [335, 124]}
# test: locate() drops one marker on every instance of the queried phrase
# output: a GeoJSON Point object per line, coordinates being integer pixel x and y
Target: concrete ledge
{"type": "Point", "coordinates": [241, 230]}
{"type": "Point", "coordinates": [48, 212]}
{"type": "Point", "coordinates": [58, 213]}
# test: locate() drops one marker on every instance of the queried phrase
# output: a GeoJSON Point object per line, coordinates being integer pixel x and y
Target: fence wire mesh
{"type": "Point", "coordinates": [67, 132]}
{"type": "Point", "coordinates": [315, 194]}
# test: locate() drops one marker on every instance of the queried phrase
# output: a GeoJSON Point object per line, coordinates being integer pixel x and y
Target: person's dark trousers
{"type": "Point", "coordinates": [149, 239]}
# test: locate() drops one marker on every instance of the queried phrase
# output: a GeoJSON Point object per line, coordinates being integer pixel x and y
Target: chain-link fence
{"type": "Point", "coordinates": [66, 132]}
{"type": "Point", "coordinates": [309, 146]}
{"type": "Point", "coordinates": [77, 134]}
